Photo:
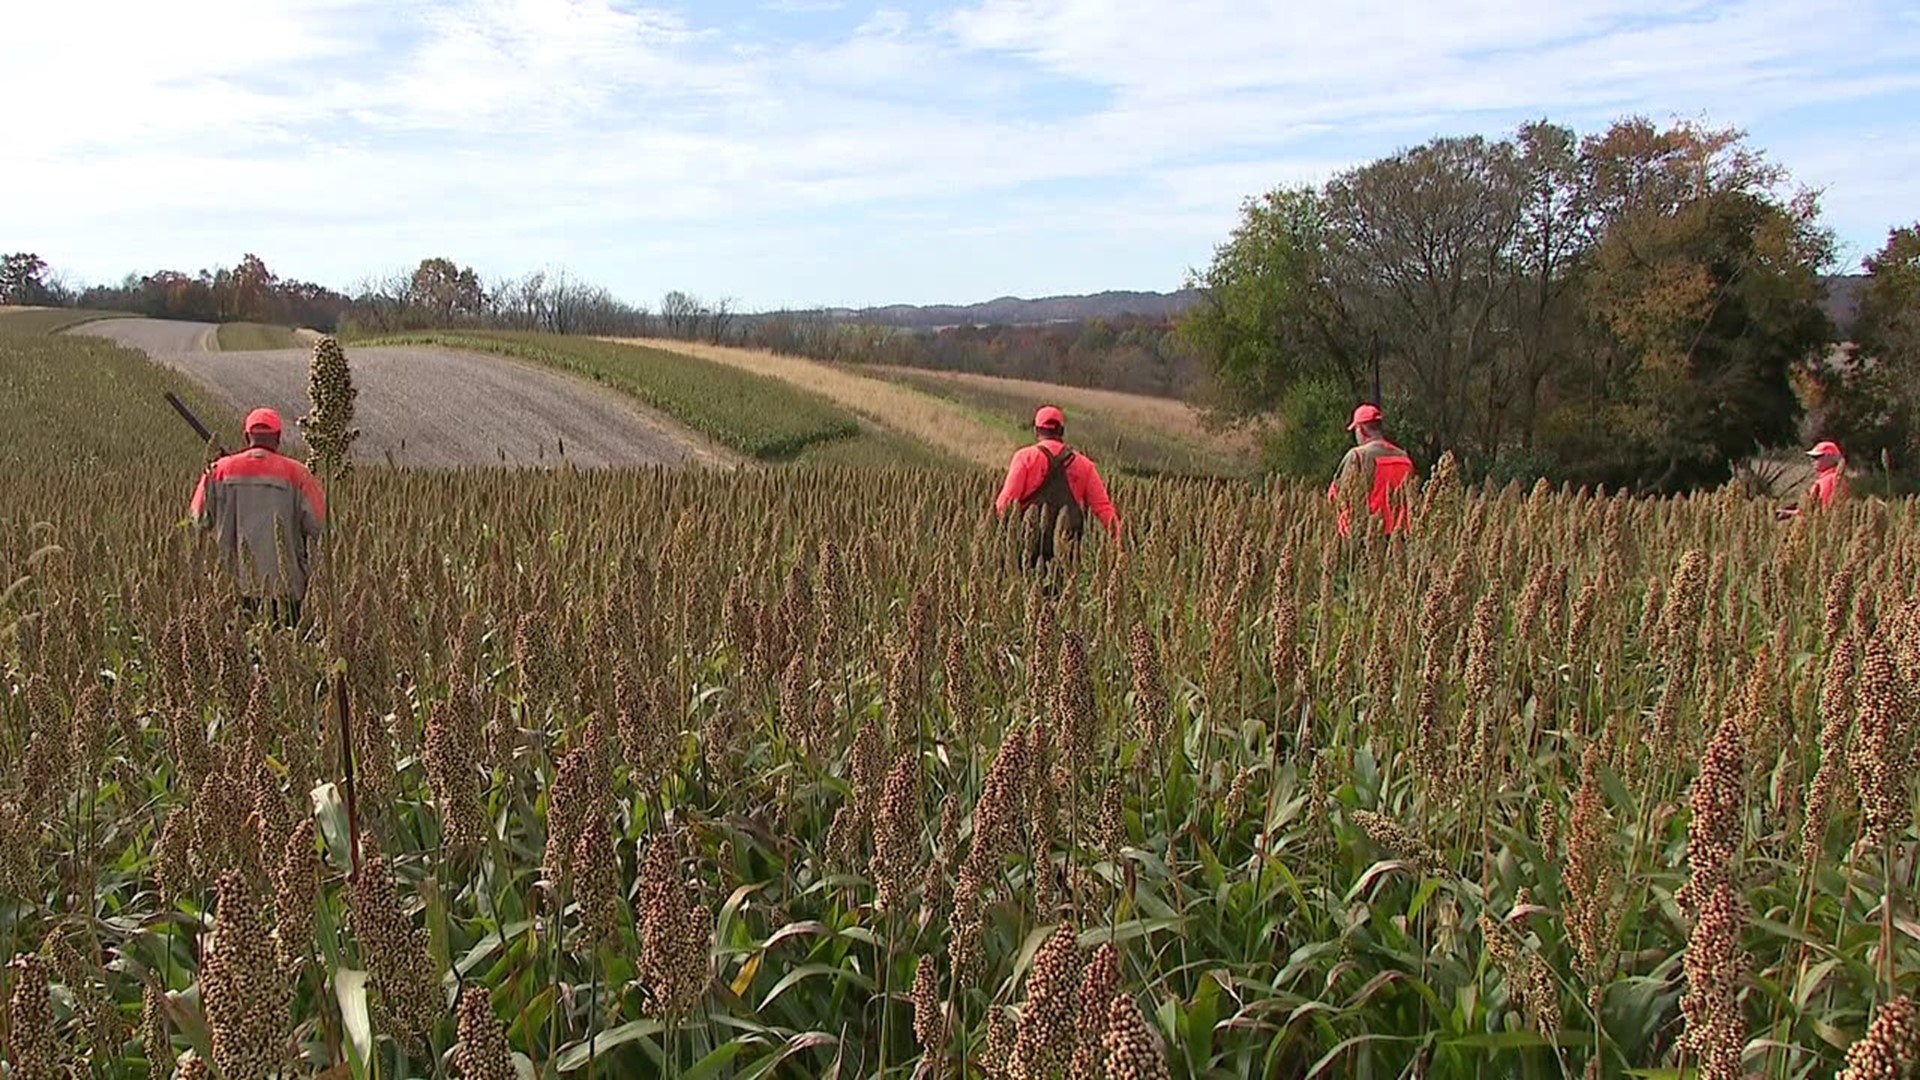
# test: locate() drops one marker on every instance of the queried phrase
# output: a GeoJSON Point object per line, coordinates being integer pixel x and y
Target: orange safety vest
{"type": "Point", "coordinates": [1391, 468]}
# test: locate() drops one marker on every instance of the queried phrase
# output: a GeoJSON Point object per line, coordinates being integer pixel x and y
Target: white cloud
{"type": "Point", "coordinates": [363, 134]}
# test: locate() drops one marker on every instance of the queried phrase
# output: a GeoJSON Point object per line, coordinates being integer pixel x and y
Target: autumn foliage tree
{"type": "Point", "coordinates": [447, 293]}
{"type": "Point", "coordinates": [22, 279]}
{"type": "Point", "coordinates": [1701, 295]}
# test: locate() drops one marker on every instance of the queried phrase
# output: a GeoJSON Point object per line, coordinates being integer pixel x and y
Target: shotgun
{"type": "Point", "coordinates": [193, 421]}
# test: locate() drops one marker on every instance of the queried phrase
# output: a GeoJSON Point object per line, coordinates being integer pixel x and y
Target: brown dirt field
{"type": "Point", "coordinates": [897, 408]}
{"type": "Point", "coordinates": [158, 338]}
{"type": "Point", "coordinates": [1176, 418]}
{"type": "Point", "coordinates": [437, 408]}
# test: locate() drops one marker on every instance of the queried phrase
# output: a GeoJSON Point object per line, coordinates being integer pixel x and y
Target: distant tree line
{"type": "Point", "coordinates": [1140, 354]}
{"type": "Point", "coordinates": [1633, 308]}
{"type": "Point", "coordinates": [1128, 352]}
{"type": "Point", "coordinates": [1131, 353]}
{"type": "Point", "coordinates": [440, 294]}
{"type": "Point", "coordinates": [246, 292]}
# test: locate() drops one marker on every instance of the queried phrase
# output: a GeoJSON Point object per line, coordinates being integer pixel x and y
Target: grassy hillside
{"type": "Point", "coordinates": [53, 386]}
{"type": "Point", "coordinates": [247, 336]}
{"type": "Point", "coordinates": [1125, 433]}
{"type": "Point", "coordinates": [763, 418]}
{"type": "Point", "coordinates": [910, 414]}
{"type": "Point", "coordinates": [982, 419]}
{"type": "Point", "coordinates": [49, 320]}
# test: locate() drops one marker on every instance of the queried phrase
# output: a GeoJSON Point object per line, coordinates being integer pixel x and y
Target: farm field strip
{"type": "Point", "coordinates": [254, 337]}
{"type": "Point", "coordinates": [897, 408]}
{"type": "Point", "coordinates": [1176, 418]}
{"type": "Point", "coordinates": [759, 417]}
{"type": "Point", "coordinates": [158, 338]}
{"type": "Point", "coordinates": [1119, 437]}
{"type": "Point", "coordinates": [41, 320]}
{"type": "Point", "coordinates": [437, 408]}
{"type": "Point", "coordinates": [78, 403]}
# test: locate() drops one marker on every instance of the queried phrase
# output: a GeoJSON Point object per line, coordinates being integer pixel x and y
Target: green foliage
{"type": "Point", "coordinates": [1266, 319]}
{"type": "Point", "coordinates": [1310, 433]}
{"type": "Point", "coordinates": [1523, 465]}
{"type": "Point", "coordinates": [757, 416]}
{"type": "Point", "coordinates": [1706, 311]}
{"type": "Point", "coordinates": [877, 448]}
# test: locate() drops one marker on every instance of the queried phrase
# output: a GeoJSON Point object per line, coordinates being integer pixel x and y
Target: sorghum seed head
{"type": "Point", "coordinates": [929, 1026]}
{"type": "Point", "coordinates": [31, 1043]}
{"type": "Point", "coordinates": [1133, 1053]}
{"type": "Point", "coordinates": [483, 1053]}
{"type": "Point", "coordinates": [1890, 1049]}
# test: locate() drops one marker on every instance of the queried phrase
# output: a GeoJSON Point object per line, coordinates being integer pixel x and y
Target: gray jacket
{"type": "Point", "coordinates": [264, 509]}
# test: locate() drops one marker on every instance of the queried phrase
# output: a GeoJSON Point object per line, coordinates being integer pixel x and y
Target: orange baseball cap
{"type": "Point", "coordinates": [1049, 416]}
{"type": "Point", "coordinates": [264, 419]}
{"type": "Point", "coordinates": [1366, 414]}
{"type": "Point", "coordinates": [1825, 448]}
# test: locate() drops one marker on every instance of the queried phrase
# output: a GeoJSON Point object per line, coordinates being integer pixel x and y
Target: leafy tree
{"type": "Point", "coordinates": [1701, 297]}
{"type": "Point", "coordinates": [247, 291]}
{"type": "Point", "coordinates": [22, 279]}
{"type": "Point", "coordinates": [1550, 244]}
{"type": "Point", "coordinates": [448, 294]}
{"type": "Point", "coordinates": [1269, 314]}
{"type": "Point", "coordinates": [1309, 434]}
{"type": "Point", "coordinates": [1420, 251]}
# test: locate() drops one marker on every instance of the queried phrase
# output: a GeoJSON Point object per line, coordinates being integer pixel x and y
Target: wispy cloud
{"type": "Point", "coordinates": [802, 7]}
{"type": "Point", "coordinates": [664, 145]}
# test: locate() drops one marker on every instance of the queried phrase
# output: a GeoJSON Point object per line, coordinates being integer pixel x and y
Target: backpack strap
{"type": "Point", "coordinates": [1057, 465]}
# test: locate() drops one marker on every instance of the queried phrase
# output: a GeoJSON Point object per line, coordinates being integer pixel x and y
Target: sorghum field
{"type": "Point", "coordinates": [788, 773]}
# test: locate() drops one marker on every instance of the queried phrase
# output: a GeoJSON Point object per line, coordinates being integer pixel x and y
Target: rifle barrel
{"type": "Point", "coordinates": [192, 420]}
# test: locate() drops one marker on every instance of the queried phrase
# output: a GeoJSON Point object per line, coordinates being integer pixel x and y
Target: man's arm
{"type": "Point", "coordinates": [313, 505]}
{"type": "Point", "coordinates": [1095, 498]}
{"type": "Point", "coordinates": [1016, 486]}
{"type": "Point", "coordinates": [201, 508]}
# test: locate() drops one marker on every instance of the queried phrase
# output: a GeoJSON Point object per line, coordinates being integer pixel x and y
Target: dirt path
{"type": "Point", "coordinates": [158, 338]}
{"type": "Point", "coordinates": [435, 408]}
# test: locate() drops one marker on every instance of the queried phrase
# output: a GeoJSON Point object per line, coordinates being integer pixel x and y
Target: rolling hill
{"type": "Point", "coordinates": [1843, 301]}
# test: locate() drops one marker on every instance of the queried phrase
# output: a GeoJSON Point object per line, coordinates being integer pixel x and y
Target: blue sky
{"type": "Point", "coordinates": [835, 152]}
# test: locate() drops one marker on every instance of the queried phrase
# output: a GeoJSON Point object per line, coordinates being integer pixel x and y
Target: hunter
{"type": "Point", "coordinates": [1379, 468]}
{"type": "Point", "coordinates": [265, 510]}
{"type": "Point", "coordinates": [1062, 482]}
{"type": "Point", "coordinates": [1829, 479]}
